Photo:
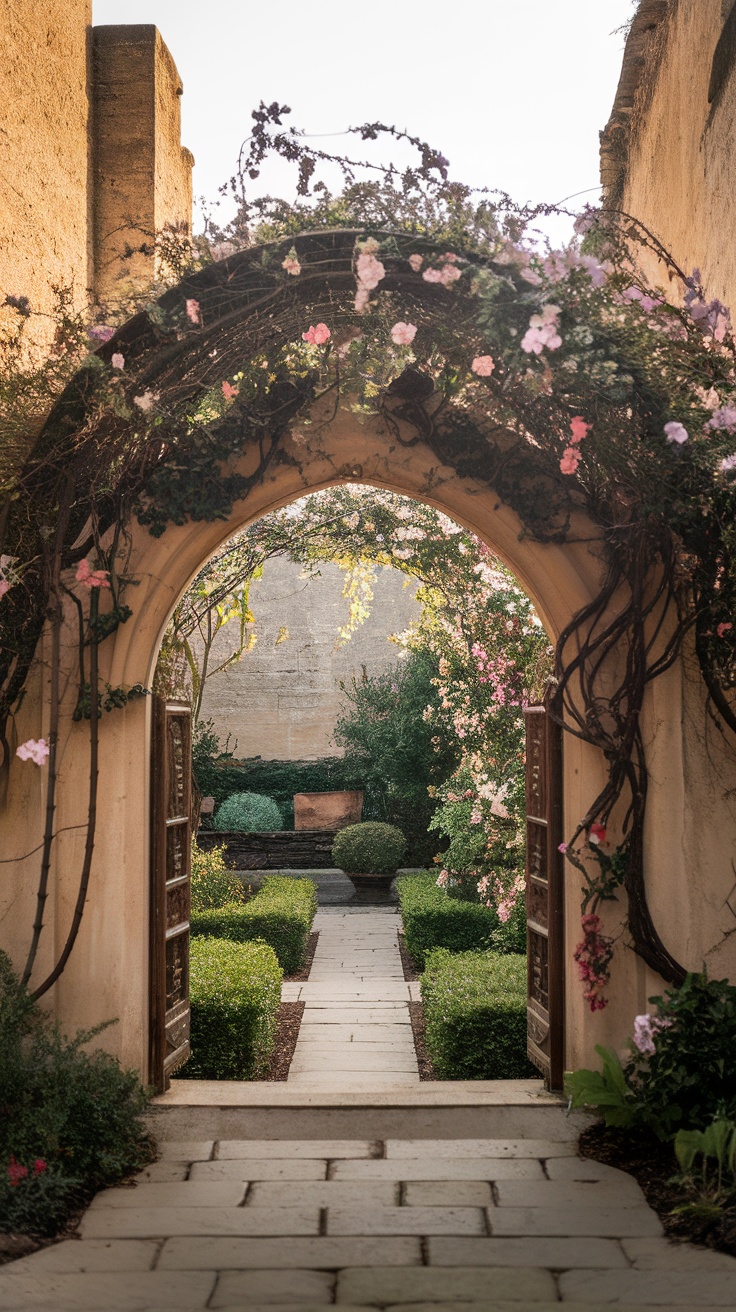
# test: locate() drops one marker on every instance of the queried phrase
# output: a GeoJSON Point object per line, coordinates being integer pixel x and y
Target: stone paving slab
{"type": "Point", "coordinates": [601, 1222]}
{"type": "Point", "coordinates": [145, 1222]}
{"type": "Point", "coordinates": [251, 1169]}
{"type": "Point", "coordinates": [163, 1173]}
{"type": "Point", "coordinates": [659, 1288]}
{"type": "Point", "coordinates": [448, 1169]}
{"type": "Point", "coordinates": [71, 1256]}
{"type": "Point", "coordinates": [438, 1149]}
{"type": "Point", "coordinates": [326, 1031]}
{"type": "Point", "coordinates": [186, 1150]}
{"type": "Point", "coordinates": [556, 1254]}
{"type": "Point", "coordinates": [325, 1253]}
{"type": "Point", "coordinates": [667, 1255]}
{"type": "Point", "coordinates": [369, 1285]}
{"type": "Point", "coordinates": [623, 1192]}
{"type": "Point", "coordinates": [298, 1285]}
{"type": "Point", "coordinates": [447, 1193]}
{"type": "Point", "coordinates": [297, 1149]}
{"type": "Point", "coordinates": [358, 1220]}
{"type": "Point", "coordinates": [323, 1193]}
{"type": "Point", "coordinates": [213, 1193]}
{"type": "Point", "coordinates": [98, 1290]}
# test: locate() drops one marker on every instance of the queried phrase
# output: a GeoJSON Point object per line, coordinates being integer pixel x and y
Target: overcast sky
{"type": "Point", "coordinates": [513, 92]}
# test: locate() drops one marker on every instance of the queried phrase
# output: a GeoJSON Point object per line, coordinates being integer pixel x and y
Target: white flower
{"type": "Point", "coordinates": [146, 401]}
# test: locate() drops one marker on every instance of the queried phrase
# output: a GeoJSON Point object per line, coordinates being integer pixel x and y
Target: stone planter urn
{"type": "Point", "coordinates": [369, 854]}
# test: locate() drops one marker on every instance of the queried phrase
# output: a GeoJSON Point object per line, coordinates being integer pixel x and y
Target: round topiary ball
{"type": "Point", "coordinates": [370, 848]}
{"type": "Point", "coordinates": [251, 813]}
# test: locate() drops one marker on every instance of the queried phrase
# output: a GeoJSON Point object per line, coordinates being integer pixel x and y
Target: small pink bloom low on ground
{"type": "Point", "coordinates": [403, 334]}
{"type": "Point", "coordinates": [118, 361]}
{"type": "Point", "coordinates": [483, 366]}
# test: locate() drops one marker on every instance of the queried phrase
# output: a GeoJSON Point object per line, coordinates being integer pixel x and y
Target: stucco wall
{"type": "Point", "coordinates": [670, 155]}
{"type": "Point", "coordinates": [45, 149]}
{"type": "Point", "coordinates": [281, 700]}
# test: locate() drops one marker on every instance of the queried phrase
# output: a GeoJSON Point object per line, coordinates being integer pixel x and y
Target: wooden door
{"type": "Point", "coordinates": [171, 787]}
{"type": "Point", "coordinates": [544, 896]}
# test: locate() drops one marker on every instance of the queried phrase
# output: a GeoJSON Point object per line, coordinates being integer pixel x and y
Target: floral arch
{"type": "Point", "coordinates": [380, 357]}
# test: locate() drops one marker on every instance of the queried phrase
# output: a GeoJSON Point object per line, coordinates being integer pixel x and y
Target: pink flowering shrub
{"type": "Point", "coordinates": [593, 955]}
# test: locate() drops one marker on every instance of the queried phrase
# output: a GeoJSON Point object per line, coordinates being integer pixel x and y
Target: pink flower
{"type": "Point", "coordinates": [317, 336]}
{"type": "Point", "coordinates": [579, 429]}
{"type": "Point", "coordinates": [146, 401]}
{"type": "Point", "coordinates": [570, 460]}
{"type": "Point", "coordinates": [723, 628]}
{"type": "Point", "coordinates": [369, 270]}
{"type": "Point", "coordinates": [291, 264]}
{"type": "Point", "coordinates": [444, 276]}
{"type": "Point", "coordinates": [646, 1028]}
{"type": "Point", "coordinates": [96, 578]}
{"type": "Point", "coordinates": [676, 433]}
{"type": "Point", "coordinates": [4, 586]}
{"type": "Point", "coordinates": [193, 310]}
{"type": "Point", "coordinates": [32, 750]}
{"type": "Point", "coordinates": [727, 465]}
{"type": "Point", "coordinates": [100, 332]}
{"type": "Point", "coordinates": [725, 417]}
{"type": "Point", "coordinates": [562, 847]}
{"type": "Point", "coordinates": [542, 331]}
{"type": "Point", "coordinates": [118, 361]}
{"type": "Point", "coordinates": [39, 1166]}
{"type": "Point", "coordinates": [16, 1172]}
{"type": "Point", "coordinates": [229, 392]}
{"type": "Point", "coordinates": [483, 366]}
{"type": "Point", "coordinates": [416, 262]}
{"type": "Point", "coordinates": [596, 833]}
{"type": "Point", "coordinates": [403, 334]}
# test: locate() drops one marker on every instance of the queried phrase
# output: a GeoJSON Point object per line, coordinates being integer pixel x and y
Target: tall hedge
{"type": "Point", "coordinates": [278, 779]}
{"type": "Point", "coordinates": [280, 914]}
{"type": "Point", "coordinates": [434, 920]}
{"type": "Point", "coordinates": [475, 1009]}
{"type": "Point", "coordinates": [235, 993]}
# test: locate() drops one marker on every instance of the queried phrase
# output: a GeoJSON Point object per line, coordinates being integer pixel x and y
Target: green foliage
{"type": "Point", "coordinates": [370, 848]}
{"type": "Point", "coordinates": [280, 914]}
{"type": "Point", "coordinates": [250, 813]}
{"type": "Point", "coordinates": [235, 995]}
{"type": "Point", "coordinates": [76, 1112]}
{"type": "Point", "coordinates": [475, 1006]}
{"type": "Point", "coordinates": [711, 1192]}
{"type": "Point", "coordinates": [213, 885]}
{"type": "Point", "coordinates": [434, 920]}
{"type": "Point", "coordinates": [510, 935]}
{"type": "Point", "coordinates": [688, 1081]}
{"type": "Point", "coordinates": [218, 775]}
{"type": "Point", "coordinates": [383, 728]}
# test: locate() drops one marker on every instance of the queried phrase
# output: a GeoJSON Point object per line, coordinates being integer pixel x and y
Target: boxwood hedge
{"type": "Point", "coordinates": [475, 1009]}
{"type": "Point", "coordinates": [280, 914]}
{"type": "Point", "coordinates": [434, 920]}
{"type": "Point", "coordinates": [235, 992]}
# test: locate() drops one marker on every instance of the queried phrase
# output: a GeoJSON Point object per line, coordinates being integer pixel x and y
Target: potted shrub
{"type": "Point", "coordinates": [369, 853]}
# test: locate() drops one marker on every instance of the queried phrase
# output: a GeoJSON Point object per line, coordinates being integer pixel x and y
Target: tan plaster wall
{"type": "Point", "coordinates": [45, 149]}
{"type": "Point", "coordinates": [143, 177]}
{"type": "Point", "coordinates": [281, 700]}
{"type": "Point", "coordinates": [682, 151]}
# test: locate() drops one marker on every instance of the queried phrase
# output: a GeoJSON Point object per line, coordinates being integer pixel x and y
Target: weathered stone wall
{"type": "Point", "coordinates": [45, 149]}
{"type": "Point", "coordinates": [281, 700]}
{"type": "Point", "coordinates": [669, 150]}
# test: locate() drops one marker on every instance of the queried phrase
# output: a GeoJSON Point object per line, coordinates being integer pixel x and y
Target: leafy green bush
{"type": "Point", "coordinates": [475, 1008]}
{"type": "Point", "coordinates": [370, 848]}
{"type": "Point", "coordinates": [280, 914]}
{"type": "Point", "coordinates": [213, 885]}
{"type": "Point", "coordinates": [681, 1069]}
{"type": "Point", "coordinates": [250, 813]}
{"type": "Point", "coordinates": [510, 935]}
{"type": "Point", "coordinates": [235, 995]}
{"type": "Point", "coordinates": [434, 920]}
{"type": "Point", "coordinates": [70, 1119]}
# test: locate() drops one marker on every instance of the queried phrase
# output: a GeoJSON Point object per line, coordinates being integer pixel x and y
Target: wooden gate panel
{"type": "Point", "coordinates": [170, 889]}
{"type": "Point", "coordinates": [544, 896]}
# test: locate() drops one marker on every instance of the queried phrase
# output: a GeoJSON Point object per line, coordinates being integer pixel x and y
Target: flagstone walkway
{"type": "Point", "coordinates": [355, 1031]}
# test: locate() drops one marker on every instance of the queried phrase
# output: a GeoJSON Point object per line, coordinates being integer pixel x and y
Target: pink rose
{"type": "Point", "coordinates": [723, 628]}
{"type": "Point", "coordinates": [91, 578]}
{"type": "Point", "coordinates": [229, 392]}
{"type": "Point", "coordinates": [483, 365]}
{"type": "Point", "coordinates": [317, 336]}
{"type": "Point", "coordinates": [403, 334]}
{"type": "Point", "coordinates": [416, 262]}
{"type": "Point", "coordinates": [118, 361]}
{"type": "Point", "coordinates": [193, 310]}
{"type": "Point", "coordinates": [34, 750]}
{"type": "Point", "coordinates": [570, 460]}
{"type": "Point", "coordinates": [579, 429]}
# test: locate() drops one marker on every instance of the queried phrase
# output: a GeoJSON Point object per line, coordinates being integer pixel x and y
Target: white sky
{"type": "Point", "coordinates": [513, 92]}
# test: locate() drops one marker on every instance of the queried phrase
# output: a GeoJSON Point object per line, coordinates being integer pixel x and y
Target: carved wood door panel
{"type": "Point", "coordinates": [544, 896]}
{"type": "Point", "coordinates": [171, 787]}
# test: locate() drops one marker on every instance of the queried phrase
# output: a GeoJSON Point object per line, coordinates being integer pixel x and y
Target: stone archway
{"type": "Point", "coordinates": [108, 972]}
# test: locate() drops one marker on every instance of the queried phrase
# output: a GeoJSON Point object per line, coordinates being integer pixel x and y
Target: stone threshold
{"type": "Point", "coordinates": [430, 1093]}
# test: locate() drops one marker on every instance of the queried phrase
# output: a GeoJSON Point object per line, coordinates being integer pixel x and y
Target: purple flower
{"type": "Point", "coordinates": [724, 418]}
{"type": "Point", "coordinates": [676, 433]}
{"type": "Point", "coordinates": [101, 332]}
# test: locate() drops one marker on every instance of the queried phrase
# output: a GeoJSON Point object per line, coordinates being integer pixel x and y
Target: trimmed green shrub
{"type": "Point", "coordinates": [249, 813]}
{"type": "Point", "coordinates": [370, 848]}
{"type": "Point", "coordinates": [213, 885]}
{"type": "Point", "coordinates": [235, 994]}
{"type": "Point", "coordinates": [434, 920]}
{"type": "Point", "coordinates": [280, 914]}
{"type": "Point", "coordinates": [70, 1119]}
{"type": "Point", "coordinates": [475, 1008]}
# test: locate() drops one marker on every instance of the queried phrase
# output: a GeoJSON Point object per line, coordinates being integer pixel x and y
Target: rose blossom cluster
{"type": "Point", "coordinates": [542, 331]}
{"type": "Point", "coordinates": [571, 455]}
{"type": "Point", "coordinates": [593, 956]}
{"type": "Point", "coordinates": [369, 271]}
{"type": "Point", "coordinates": [17, 1172]}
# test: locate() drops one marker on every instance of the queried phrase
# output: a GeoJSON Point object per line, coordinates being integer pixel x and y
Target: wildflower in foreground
{"type": "Point", "coordinates": [403, 334]}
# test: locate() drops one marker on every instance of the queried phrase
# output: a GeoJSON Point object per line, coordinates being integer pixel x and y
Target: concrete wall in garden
{"type": "Point", "coordinates": [281, 700]}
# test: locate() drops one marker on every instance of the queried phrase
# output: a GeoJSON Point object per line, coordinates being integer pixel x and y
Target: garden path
{"type": "Point", "coordinates": [355, 1031]}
